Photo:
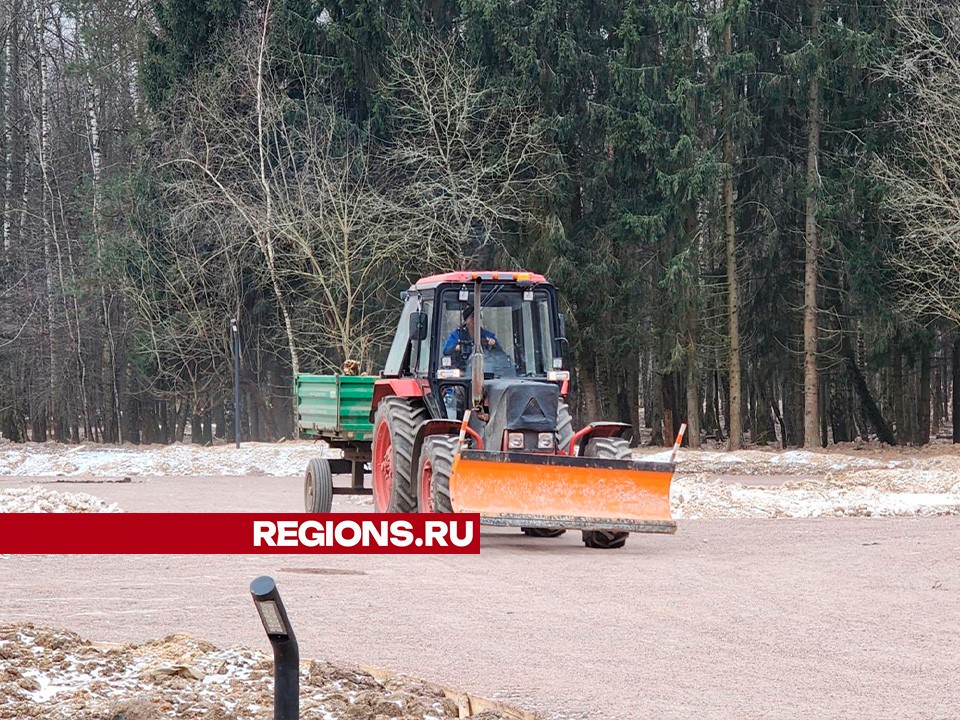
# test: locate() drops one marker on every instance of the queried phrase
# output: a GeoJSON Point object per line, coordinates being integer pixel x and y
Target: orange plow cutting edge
{"type": "Point", "coordinates": [559, 491]}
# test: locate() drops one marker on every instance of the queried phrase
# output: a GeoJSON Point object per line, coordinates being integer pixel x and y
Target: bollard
{"type": "Point", "coordinates": [286, 654]}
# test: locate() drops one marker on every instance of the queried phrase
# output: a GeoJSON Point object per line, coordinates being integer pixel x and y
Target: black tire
{"type": "Point", "coordinates": [438, 451]}
{"type": "Point", "coordinates": [403, 418]}
{"type": "Point", "coordinates": [611, 449]}
{"type": "Point", "coordinates": [564, 436]}
{"type": "Point", "coordinates": [542, 532]}
{"type": "Point", "coordinates": [564, 426]}
{"type": "Point", "coordinates": [318, 487]}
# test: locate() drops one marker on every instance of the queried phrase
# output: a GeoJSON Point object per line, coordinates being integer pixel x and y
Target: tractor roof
{"type": "Point", "coordinates": [463, 276]}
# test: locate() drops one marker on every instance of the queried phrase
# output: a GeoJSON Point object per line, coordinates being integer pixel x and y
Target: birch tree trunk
{"type": "Point", "coordinates": [108, 369]}
{"type": "Point", "coordinates": [43, 141]}
{"type": "Point", "coordinates": [11, 39]}
{"type": "Point", "coordinates": [266, 236]}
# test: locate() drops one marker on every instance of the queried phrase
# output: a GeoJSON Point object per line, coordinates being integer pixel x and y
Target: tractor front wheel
{"type": "Point", "coordinates": [610, 449]}
{"type": "Point", "coordinates": [395, 429]}
{"type": "Point", "coordinates": [436, 465]}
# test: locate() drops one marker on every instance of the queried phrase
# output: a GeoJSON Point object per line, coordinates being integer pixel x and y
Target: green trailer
{"type": "Point", "coordinates": [335, 409]}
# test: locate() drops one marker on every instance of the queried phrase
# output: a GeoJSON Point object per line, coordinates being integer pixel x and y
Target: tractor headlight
{"type": "Point", "coordinates": [558, 375]}
{"type": "Point", "coordinates": [515, 440]}
{"type": "Point", "coordinates": [545, 441]}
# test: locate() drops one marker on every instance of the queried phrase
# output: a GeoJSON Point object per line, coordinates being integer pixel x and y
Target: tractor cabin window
{"type": "Point", "coordinates": [517, 333]}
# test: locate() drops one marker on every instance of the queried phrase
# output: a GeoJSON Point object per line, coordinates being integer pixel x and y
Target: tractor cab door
{"type": "Point", "coordinates": [409, 356]}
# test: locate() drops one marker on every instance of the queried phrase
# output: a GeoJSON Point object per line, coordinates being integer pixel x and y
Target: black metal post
{"type": "Point", "coordinates": [286, 653]}
{"type": "Point", "coordinates": [236, 381]}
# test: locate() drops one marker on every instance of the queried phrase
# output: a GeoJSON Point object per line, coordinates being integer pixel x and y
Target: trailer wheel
{"type": "Point", "coordinates": [395, 429]}
{"type": "Point", "coordinates": [436, 465]}
{"type": "Point", "coordinates": [611, 449]}
{"type": "Point", "coordinates": [542, 532]}
{"type": "Point", "coordinates": [318, 487]}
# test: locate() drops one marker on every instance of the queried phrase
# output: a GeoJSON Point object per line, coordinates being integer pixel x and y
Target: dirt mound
{"type": "Point", "coordinates": [56, 675]}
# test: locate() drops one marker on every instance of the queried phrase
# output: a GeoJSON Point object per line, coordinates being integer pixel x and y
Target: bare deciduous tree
{"type": "Point", "coordinates": [470, 157]}
{"type": "Point", "coordinates": [327, 216]}
{"type": "Point", "coordinates": [923, 180]}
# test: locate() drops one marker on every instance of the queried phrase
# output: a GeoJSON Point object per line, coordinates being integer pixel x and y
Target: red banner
{"type": "Point", "coordinates": [237, 533]}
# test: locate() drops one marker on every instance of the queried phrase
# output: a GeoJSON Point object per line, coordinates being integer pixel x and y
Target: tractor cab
{"type": "Point", "coordinates": [520, 336]}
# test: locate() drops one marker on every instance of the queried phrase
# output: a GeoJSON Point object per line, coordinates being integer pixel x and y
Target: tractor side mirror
{"type": "Point", "coordinates": [418, 326]}
{"type": "Point", "coordinates": [563, 325]}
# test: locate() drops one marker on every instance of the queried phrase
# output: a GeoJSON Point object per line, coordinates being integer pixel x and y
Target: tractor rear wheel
{"type": "Point", "coordinates": [395, 429]}
{"type": "Point", "coordinates": [436, 465]}
{"type": "Point", "coordinates": [564, 436]}
{"type": "Point", "coordinates": [610, 449]}
{"type": "Point", "coordinates": [542, 532]}
{"type": "Point", "coordinates": [318, 486]}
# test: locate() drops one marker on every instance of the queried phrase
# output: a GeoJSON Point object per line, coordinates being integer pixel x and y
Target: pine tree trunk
{"type": "Point", "coordinates": [693, 396]}
{"type": "Point", "coordinates": [709, 417]}
{"type": "Point", "coordinates": [897, 389]}
{"type": "Point", "coordinates": [656, 408]}
{"type": "Point", "coordinates": [669, 401]}
{"type": "Point", "coordinates": [761, 414]}
{"type": "Point", "coordinates": [936, 386]}
{"type": "Point", "coordinates": [588, 390]}
{"type": "Point", "coordinates": [647, 384]}
{"type": "Point", "coordinates": [923, 397]}
{"type": "Point", "coordinates": [793, 408]}
{"type": "Point", "coordinates": [693, 354]}
{"type": "Point", "coordinates": [811, 386]}
{"type": "Point", "coordinates": [735, 432]}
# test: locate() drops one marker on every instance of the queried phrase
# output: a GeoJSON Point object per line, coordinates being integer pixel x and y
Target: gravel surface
{"type": "Point", "coordinates": [729, 618]}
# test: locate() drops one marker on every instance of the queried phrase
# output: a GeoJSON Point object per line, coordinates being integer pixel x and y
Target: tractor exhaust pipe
{"type": "Point", "coordinates": [476, 362]}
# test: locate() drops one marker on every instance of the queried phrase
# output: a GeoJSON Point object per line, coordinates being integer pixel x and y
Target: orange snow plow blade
{"type": "Point", "coordinates": [558, 491]}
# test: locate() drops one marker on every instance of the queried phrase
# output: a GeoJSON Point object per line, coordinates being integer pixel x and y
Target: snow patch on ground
{"type": "Point", "coordinates": [37, 499]}
{"type": "Point", "coordinates": [53, 460]}
{"type": "Point", "coordinates": [846, 480]}
{"type": "Point", "coordinates": [766, 462]}
{"type": "Point", "coordinates": [700, 496]}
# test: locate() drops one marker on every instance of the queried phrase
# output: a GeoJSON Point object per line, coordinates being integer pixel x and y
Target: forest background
{"type": "Point", "coordinates": [751, 207]}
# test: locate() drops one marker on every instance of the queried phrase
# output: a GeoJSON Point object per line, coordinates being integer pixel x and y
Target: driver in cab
{"type": "Point", "coordinates": [459, 343]}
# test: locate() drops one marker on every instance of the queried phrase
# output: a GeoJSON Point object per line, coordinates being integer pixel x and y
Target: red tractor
{"type": "Point", "coordinates": [468, 415]}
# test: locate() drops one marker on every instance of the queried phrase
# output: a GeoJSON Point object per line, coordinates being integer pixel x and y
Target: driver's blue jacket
{"type": "Point", "coordinates": [462, 336]}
